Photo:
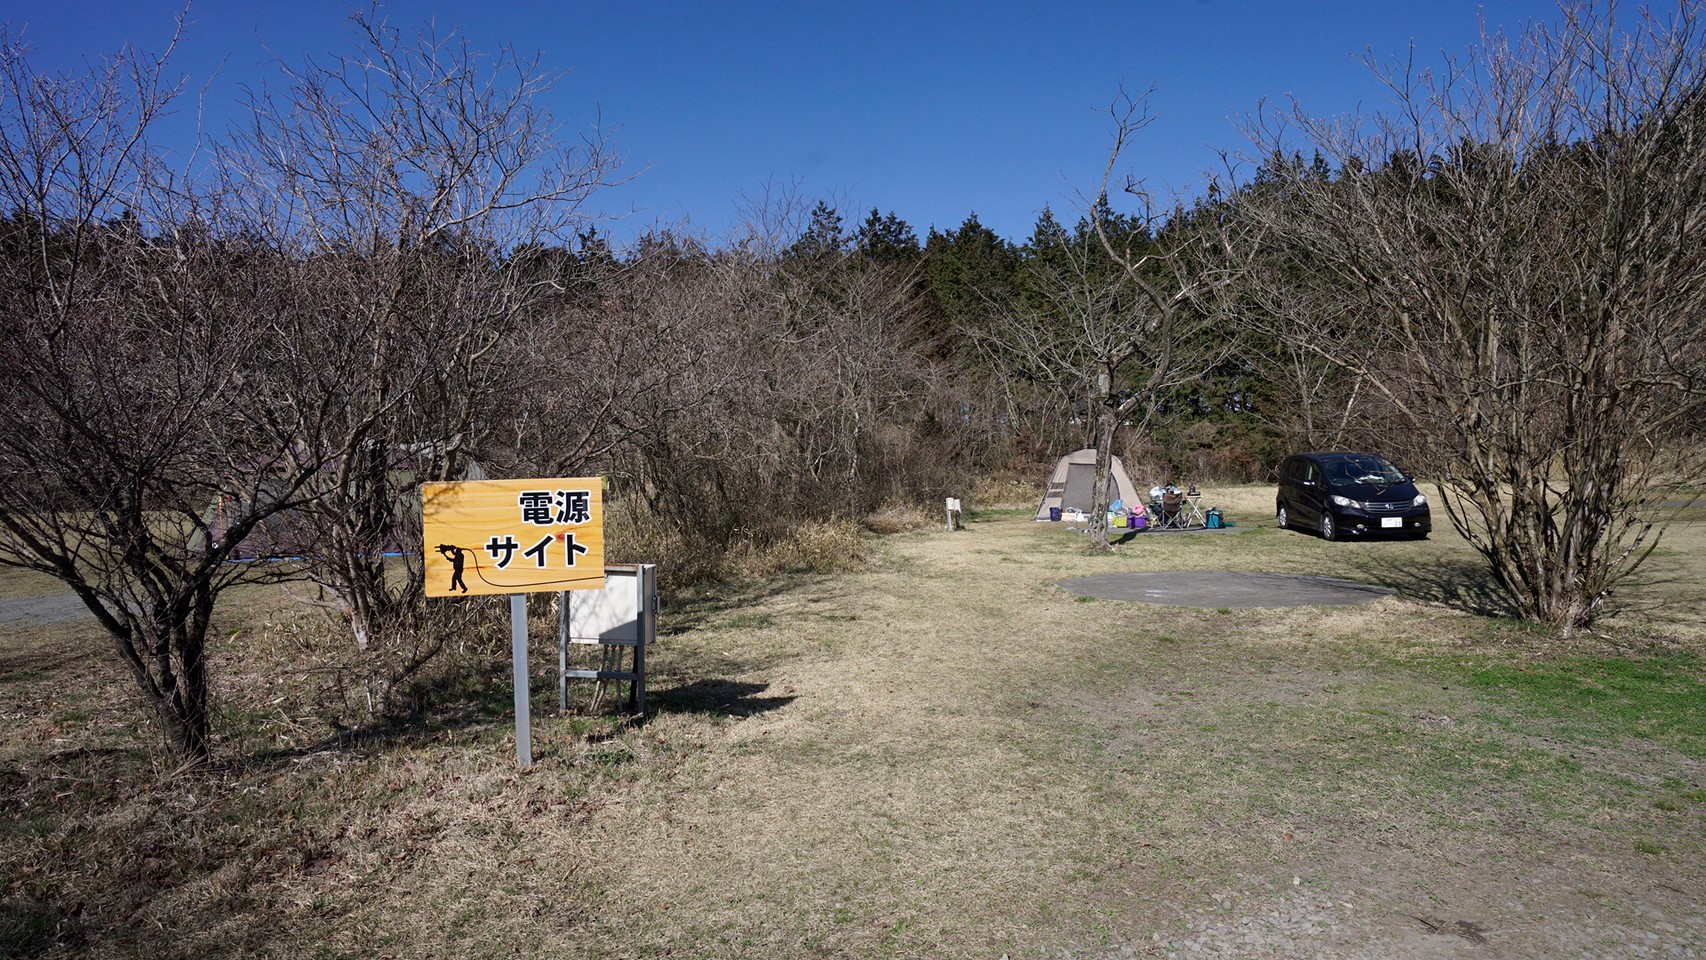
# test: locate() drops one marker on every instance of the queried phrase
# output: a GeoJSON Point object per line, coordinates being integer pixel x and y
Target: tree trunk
{"type": "Point", "coordinates": [185, 716]}
{"type": "Point", "coordinates": [1107, 419]}
{"type": "Point", "coordinates": [168, 656]}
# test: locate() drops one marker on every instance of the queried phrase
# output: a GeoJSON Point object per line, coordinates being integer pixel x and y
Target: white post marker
{"type": "Point", "coordinates": [953, 514]}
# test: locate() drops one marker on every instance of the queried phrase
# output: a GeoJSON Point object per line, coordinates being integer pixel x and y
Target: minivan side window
{"type": "Point", "coordinates": [1310, 473]}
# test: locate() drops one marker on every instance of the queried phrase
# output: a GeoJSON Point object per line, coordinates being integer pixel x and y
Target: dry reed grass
{"type": "Point", "coordinates": [833, 546]}
{"type": "Point", "coordinates": [998, 492]}
{"type": "Point", "coordinates": [892, 518]}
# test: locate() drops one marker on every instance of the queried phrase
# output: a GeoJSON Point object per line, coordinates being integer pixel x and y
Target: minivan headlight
{"type": "Point", "coordinates": [1420, 501]}
{"type": "Point", "coordinates": [1339, 501]}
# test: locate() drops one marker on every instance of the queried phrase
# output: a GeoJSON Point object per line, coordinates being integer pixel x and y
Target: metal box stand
{"type": "Point", "coordinates": [622, 616]}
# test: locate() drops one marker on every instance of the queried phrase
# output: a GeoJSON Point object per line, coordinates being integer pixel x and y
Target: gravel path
{"type": "Point", "coordinates": [50, 608]}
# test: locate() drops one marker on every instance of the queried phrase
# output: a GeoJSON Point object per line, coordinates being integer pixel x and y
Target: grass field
{"type": "Point", "coordinates": [941, 755]}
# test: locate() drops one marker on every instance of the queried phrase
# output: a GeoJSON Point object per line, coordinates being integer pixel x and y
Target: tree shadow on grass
{"type": "Point", "coordinates": [1663, 597]}
{"type": "Point", "coordinates": [709, 607]}
{"type": "Point", "coordinates": [723, 698]}
{"type": "Point", "coordinates": [1458, 582]}
{"type": "Point", "coordinates": [492, 703]}
{"type": "Point", "coordinates": [33, 653]}
{"type": "Point", "coordinates": [30, 929]}
{"type": "Point", "coordinates": [465, 701]}
{"type": "Point", "coordinates": [1666, 598]}
{"type": "Point", "coordinates": [732, 699]}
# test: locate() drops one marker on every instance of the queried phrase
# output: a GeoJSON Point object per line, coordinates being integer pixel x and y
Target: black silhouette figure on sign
{"type": "Point", "coordinates": [454, 555]}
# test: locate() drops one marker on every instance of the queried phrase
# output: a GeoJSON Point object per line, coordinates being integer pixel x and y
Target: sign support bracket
{"type": "Point", "coordinates": [623, 614]}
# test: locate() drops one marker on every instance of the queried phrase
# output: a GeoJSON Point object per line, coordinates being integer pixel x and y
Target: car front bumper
{"type": "Point", "coordinates": [1362, 523]}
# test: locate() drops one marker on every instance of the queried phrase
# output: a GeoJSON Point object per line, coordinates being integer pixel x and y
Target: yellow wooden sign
{"type": "Point", "coordinates": [512, 536]}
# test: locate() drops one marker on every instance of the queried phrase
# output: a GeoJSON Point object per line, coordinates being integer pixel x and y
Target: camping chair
{"type": "Point", "coordinates": [1173, 513]}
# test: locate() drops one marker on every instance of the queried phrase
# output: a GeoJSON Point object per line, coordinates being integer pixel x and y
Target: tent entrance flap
{"type": "Point", "coordinates": [1080, 479]}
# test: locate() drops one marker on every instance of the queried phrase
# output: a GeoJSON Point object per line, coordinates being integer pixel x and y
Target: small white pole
{"type": "Point", "coordinates": [518, 655]}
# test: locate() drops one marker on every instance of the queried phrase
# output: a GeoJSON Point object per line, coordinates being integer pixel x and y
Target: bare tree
{"type": "Point", "coordinates": [1128, 310]}
{"type": "Point", "coordinates": [398, 184]}
{"type": "Point", "coordinates": [295, 341]}
{"type": "Point", "coordinates": [1517, 264]}
{"type": "Point", "coordinates": [798, 371]}
{"type": "Point", "coordinates": [767, 384]}
{"type": "Point", "coordinates": [129, 350]}
{"type": "Point", "coordinates": [1310, 400]}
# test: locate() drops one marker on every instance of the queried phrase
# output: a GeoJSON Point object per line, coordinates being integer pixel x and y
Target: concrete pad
{"type": "Point", "coordinates": [1223, 588]}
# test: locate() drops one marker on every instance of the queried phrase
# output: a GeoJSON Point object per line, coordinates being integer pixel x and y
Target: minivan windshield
{"type": "Point", "coordinates": [1362, 469]}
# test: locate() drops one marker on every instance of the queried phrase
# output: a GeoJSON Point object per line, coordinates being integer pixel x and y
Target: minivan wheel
{"type": "Point", "coordinates": [1282, 519]}
{"type": "Point", "coordinates": [1328, 531]}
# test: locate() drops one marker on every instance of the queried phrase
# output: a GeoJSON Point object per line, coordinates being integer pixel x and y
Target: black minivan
{"type": "Point", "coordinates": [1350, 494]}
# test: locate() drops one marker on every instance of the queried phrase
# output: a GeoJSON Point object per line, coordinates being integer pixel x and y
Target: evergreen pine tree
{"type": "Point", "coordinates": [887, 239]}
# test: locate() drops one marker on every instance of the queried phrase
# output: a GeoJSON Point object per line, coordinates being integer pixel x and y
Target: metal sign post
{"type": "Point", "coordinates": [518, 656]}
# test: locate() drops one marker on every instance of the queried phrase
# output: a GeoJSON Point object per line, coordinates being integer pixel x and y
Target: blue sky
{"type": "Point", "coordinates": [931, 110]}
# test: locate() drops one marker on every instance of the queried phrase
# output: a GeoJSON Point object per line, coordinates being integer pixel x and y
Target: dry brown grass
{"type": "Point", "coordinates": [24, 583]}
{"type": "Point", "coordinates": [938, 754]}
{"type": "Point", "coordinates": [833, 546]}
{"type": "Point", "coordinates": [895, 518]}
{"type": "Point", "coordinates": [996, 492]}
{"type": "Point", "coordinates": [829, 546]}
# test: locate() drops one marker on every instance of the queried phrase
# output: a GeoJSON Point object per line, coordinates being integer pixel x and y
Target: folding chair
{"type": "Point", "coordinates": [1174, 515]}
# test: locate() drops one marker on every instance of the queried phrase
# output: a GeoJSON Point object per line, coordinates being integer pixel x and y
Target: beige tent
{"type": "Point", "coordinates": [1074, 480]}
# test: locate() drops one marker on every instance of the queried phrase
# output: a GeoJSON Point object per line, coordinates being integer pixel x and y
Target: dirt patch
{"type": "Point", "coordinates": [1214, 589]}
